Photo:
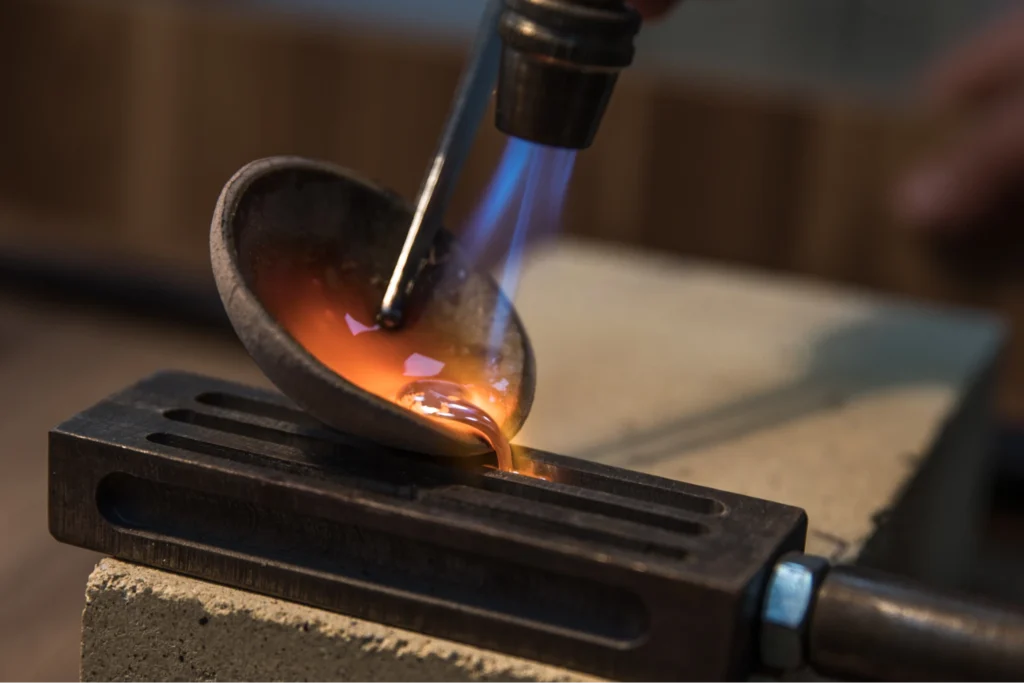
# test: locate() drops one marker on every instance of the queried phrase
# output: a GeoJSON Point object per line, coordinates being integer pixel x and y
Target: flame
{"type": "Point", "coordinates": [525, 196]}
{"type": "Point", "coordinates": [498, 201]}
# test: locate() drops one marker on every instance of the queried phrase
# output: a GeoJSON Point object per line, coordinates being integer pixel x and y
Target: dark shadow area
{"type": "Point", "coordinates": [999, 569]}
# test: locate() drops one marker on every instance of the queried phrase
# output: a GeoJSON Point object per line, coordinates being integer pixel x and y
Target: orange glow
{"type": "Point", "coordinates": [451, 405]}
{"type": "Point", "coordinates": [331, 311]}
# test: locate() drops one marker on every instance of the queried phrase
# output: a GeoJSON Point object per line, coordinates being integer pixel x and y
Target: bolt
{"type": "Point", "coordinates": [787, 609]}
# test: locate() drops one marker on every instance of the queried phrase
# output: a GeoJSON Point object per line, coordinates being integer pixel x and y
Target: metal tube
{"type": "Point", "coordinates": [471, 99]}
{"type": "Point", "coordinates": [866, 626]}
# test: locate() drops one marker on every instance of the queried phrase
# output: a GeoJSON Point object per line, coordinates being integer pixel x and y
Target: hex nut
{"type": "Point", "coordinates": [786, 612]}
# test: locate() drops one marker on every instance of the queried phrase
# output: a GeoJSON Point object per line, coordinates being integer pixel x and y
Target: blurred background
{"type": "Point", "coordinates": [765, 133]}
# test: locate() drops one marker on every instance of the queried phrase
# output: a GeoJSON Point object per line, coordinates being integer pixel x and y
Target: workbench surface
{"type": "Point", "coordinates": [776, 388]}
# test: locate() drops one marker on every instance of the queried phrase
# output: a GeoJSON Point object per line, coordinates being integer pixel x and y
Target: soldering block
{"type": "Point", "coordinates": [144, 624]}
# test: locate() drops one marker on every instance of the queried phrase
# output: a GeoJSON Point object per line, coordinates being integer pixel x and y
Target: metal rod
{"type": "Point", "coordinates": [471, 98]}
{"type": "Point", "coordinates": [869, 627]}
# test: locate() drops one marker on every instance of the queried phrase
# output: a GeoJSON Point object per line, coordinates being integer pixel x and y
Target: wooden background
{"type": "Point", "coordinates": [122, 120]}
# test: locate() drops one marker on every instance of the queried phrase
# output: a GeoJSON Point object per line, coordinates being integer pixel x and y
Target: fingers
{"type": "Point", "coordinates": [956, 191]}
{"type": "Point", "coordinates": [654, 9]}
{"type": "Point", "coordinates": [959, 190]}
{"type": "Point", "coordinates": [985, 65]}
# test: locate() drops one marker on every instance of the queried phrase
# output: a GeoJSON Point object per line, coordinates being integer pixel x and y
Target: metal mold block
{"type": "Point", "coordinates": [604, 570]}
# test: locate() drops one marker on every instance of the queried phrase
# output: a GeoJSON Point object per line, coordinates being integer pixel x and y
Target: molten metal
{"type": "Point", "coordinates": [452, 405]}
{"type": "Point", "coordinates": [328, 308]}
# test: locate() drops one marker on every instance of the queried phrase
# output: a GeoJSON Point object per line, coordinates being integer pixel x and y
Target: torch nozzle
{"type": "Point", "coordinates": [559, 63]}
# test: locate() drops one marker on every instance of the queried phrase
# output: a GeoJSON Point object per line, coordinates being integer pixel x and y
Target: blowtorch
{"type": "Point", "coordinates": [555, 63]}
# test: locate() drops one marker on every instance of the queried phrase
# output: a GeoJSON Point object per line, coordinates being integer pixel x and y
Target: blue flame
{"type": "Point", "coordinates": [528, 189]}
{"type": "Point", "coordinates": [499, 198]}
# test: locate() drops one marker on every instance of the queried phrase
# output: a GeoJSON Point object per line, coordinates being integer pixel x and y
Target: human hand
{"type": "Point", "coordinates": [977, 177]}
